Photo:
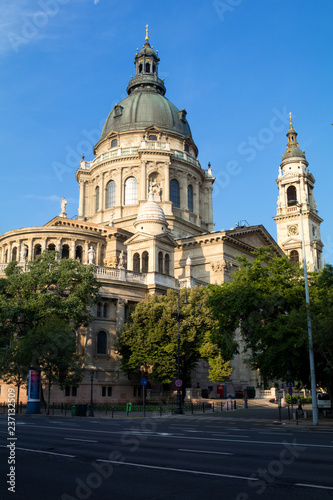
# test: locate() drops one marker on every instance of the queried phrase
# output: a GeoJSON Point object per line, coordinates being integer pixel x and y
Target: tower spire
{"type": "Point", "coordinates": [147, 35]}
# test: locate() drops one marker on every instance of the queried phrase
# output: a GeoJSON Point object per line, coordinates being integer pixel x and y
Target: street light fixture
{"type": "Point", "coordinates": [91, 404]}
{"type": "Point", "coordinates": [311, 357]}
{"type": "Point", "coordinates": [179, 410]}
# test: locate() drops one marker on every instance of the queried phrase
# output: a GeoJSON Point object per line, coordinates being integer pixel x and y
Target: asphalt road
{"type": "Point", "coordinates": [235, 456]}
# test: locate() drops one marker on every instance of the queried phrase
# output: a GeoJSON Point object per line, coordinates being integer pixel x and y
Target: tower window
{"type": "Point", "coordinates": [294, 257]}
{"type": "Point", "coordinates": [291, 196]}
{"type": "Point", "coordinates": [152, 137]}
{"type": "Point", "coordinates": [78, 253]}
{"type": "Point", "coordinates": [145, 262]}
{"type": "Point", "coordinates": [114, 143]}
{"type": "Point", "coordinates": [110, 199]}
{"type": "Point", "coordinates": [186, 148]}
{"type": "Point", "coordinates": [147, 67]}
{"type": "Point", "coordinates": [131, 191]}
{"type": "Point", "coordinates": [38, 251]}
{"type": "Point", "coordinates": [174, 193]}
{"type": "Point", "coordinates": [160, 262]}
{"type": "Point", "coordinates": [140, 68]}
{"type": "Point", "coordinates": [14, 254]}
{"type": "Point", "coordinates": [97, 199]}
{"type": "Point", "coordinates": [51, 247]}
{"type": "Point", "coordinates": [99, 310]}
{"type": "Point", "coordinates": [167, 264]}
{"type": "Point", "coordinates": [190, 198]}
{"type": "Point", "coordinates": [136, 263]}
{"type": "Point", "coordinates": [105, 310]}
{"type": "Point", "coordinates": [101, 342]}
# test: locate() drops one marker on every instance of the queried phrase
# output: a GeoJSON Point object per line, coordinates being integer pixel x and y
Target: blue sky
{"type": "Point", "coordinates": [237, 66]}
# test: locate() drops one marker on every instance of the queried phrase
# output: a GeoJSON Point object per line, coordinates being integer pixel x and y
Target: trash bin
{"type": "Point", "coordinates": [82, 410]}
{"type": "Point", "coordinates": [74, 410]}
{"type": "Point", "coordinates": [128, 407]}
{"type": "Point", "coordinates": [251, 392]}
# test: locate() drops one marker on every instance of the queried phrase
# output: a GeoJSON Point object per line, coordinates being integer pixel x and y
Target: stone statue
{"type": "Point", "coordinates": [91, 255]}
{"type": "Point", "coordinates": [111, 223]}
{"type": "Point", "coordinates": [24, 252]}
{"type": "Point", "coordinates": [63, 204]}
{"type": "Point", "coordinates": [121, 264]}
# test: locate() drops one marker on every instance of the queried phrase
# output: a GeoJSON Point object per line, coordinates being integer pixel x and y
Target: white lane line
{"type": "Point", "coordinates": [84, 440]}
{"type": "Point", "coordinates": [314, 486]}
{"type": "Point", "coordinates": [228, 434]}
{"type": "Point", "coordinates": [209, 452]}
{"type": "Point", "coordinates": [40, 451]}
{"type": "Point", "coordinates": [202, 473]}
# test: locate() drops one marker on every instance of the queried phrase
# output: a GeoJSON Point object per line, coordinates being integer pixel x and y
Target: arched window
{"type": "Point", "coordinates": [105, 310]}
{"type": "Point", "coordinates": [167, 264]}
{"type": "Point", "coordinates": [78, 253]}
{"type": "Point", "coordinates": [294, 257]}
{"type": "Point", "coordinates": [147, 68]}
{"type": "Point", "coordinates": [186, 148]}
{"type": "Point", "coordinates": [14, 253]}
{"type": "Point", "coordinates": [110, 199]}
{"type": "Point", "coordinates": [152, 137]}
{"type": "Point", "coordinates": [101, 342]}
{"type": "Point", "coordinates": [174, 193]}
{"type": "Point", "coordinates": [65, 252]}
{"type": "Point", "coordinates": [160, 262]}
{"type": "Point", "coordinates": [97, 199]}
{"type": "Point", "coordinates": [99, 310]}
{"type": "Point", "coordinates": [190, 198]}
{"type": "Point", "coordinates": [131, 191]}
{"type": "Point", "coordinates": [136, 263]}
{"type": "Point", "coordinates": [51, 247]}
{"type": "Point", "coordinates": [140, 68]}
{"type": "Point", "coordinates": [145, 262]}
{"type": "Point", "coordinates": [114, 143]}
{"type": "Point", "coordinates": [291, 196]}
{"type": "Point", "coordinates": [37, 250]}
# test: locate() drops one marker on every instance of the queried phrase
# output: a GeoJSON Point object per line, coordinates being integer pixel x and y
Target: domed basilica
{"type": "Point", "coordinates": [145, 220]}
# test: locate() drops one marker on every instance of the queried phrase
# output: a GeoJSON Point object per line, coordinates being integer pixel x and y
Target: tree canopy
{"type": "Point", "coordinates": [148, 342]}
{"type": "Point", "coordinates": [39, 311]}
{"type": "Point", "coordinates": [266, 300]}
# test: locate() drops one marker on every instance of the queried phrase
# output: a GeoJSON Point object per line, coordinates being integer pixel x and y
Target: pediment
{"type": "Point", "coordinates": [142, 236]}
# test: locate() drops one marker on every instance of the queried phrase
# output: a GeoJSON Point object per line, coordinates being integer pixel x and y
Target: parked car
{"type": "Point", "coordinates": [323, 401]}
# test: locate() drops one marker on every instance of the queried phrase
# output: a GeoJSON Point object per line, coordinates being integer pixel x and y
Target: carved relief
{"type": "Point", "coordinates": [222, 265]}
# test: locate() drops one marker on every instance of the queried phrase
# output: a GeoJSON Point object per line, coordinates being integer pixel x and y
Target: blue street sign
{"type": "Point", "coordinates": [290, 383]}
{"type": "Point", "coordinates": [143, 381]}
{"type": "Point", "coordinates": [290, 391]}
{"type": "Point", "coordinates": [178, 383]}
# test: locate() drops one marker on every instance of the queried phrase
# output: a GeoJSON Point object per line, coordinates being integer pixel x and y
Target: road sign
{"type": "Point", "coordinates": [290, 383]}
{"type": "Point", "coordinates": [290, 391]}
{"type": "Point", "coordinates": [143, 381]}
{"type": "Point", "coordinates": [179, 383]}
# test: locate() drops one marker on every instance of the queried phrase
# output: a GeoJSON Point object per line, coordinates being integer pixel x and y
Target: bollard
{"type": "Point", "coordinates": [280, 410]}
{"type": "Point", "coordinates": [112, 409]}
{"type": "Point", "coordinates": [192, 408]}
{"type": "Point", "coordinates": [128, 408]}
{"type": "Point", "coordinates": [234, 405]}
{"type": "Point", "coordinates": [203, 407]}
{"type": "Point", "coordinates": [227, 405]}
{"type": "Point", "coordinates": [245, 403]}
{"type": "Point", "coordinates": [221, 406]}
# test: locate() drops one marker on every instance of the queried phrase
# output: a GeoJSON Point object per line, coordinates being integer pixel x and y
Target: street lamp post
{"type": "Point", "coordinates": [91, 404]}
{"type": "Point", "coordinates": [307, 298]}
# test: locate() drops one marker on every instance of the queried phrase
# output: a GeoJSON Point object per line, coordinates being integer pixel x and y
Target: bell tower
{"type": "Point", "coordinates": [295, 184]}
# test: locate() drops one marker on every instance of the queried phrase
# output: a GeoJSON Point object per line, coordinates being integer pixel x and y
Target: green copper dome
{"type": "Point", "coordinates": [293, 150]}
{"type": "Point", "coordinates": [146, 105]}
{"type": "Point", "coordinates": [141, 110]}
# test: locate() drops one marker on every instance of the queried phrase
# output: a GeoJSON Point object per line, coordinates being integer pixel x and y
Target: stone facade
{"type": "Point", "coordinates": [146, 222]}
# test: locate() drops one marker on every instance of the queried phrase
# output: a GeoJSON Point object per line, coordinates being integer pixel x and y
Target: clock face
{"type": "Point", "coordinates": [293, 230]}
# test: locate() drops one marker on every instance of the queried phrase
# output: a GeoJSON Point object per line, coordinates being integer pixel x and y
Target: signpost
{"type": "Point", "coordinates": [178, 383]}
{"type": "Point", "coordinates": [143, 383]}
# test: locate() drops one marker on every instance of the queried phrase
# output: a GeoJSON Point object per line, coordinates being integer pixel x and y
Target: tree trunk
{"type": "Point", "coordinates": [18, 397]}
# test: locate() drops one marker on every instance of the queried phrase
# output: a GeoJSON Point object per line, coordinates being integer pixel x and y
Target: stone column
{"type": "Point", "coordinates": [102, 195]}
{"type": "Point", "coordinates": [86, 248]}
{"type": "Point", "coordinates": [82, 188]}
{"type": "Point", "coordinates": [166, 190]}
{"type": "Point", "coordinates": [99, 255]}
{"type": "Point", "coordinates": [120, 321]}
{"type": "Point", "coordinates": [143, 180]}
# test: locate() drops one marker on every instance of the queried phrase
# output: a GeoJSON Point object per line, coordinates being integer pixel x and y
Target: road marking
{"type": "Point", "coordinates": [40, 451]}
{"type": "Point", "coordinates": [314, 486]}
{"type": "Point", "coordinates": [84, 440]}
{"type": "Point", "coordinates": [228, 434]}
{"type": "Point", "coordinates": [202, 473]}
{"type": "Point", "coordinates": [210, 452]}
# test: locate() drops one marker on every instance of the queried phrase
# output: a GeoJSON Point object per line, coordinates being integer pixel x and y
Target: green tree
{"type": "Point", "coordinates": [266, 300]}
{"type": "Point", "coordinates": [148, 342]}
{"type": "Point", "coordinates": [52, 347]}
{"type": "Point", "coordinates": [51, 288]}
